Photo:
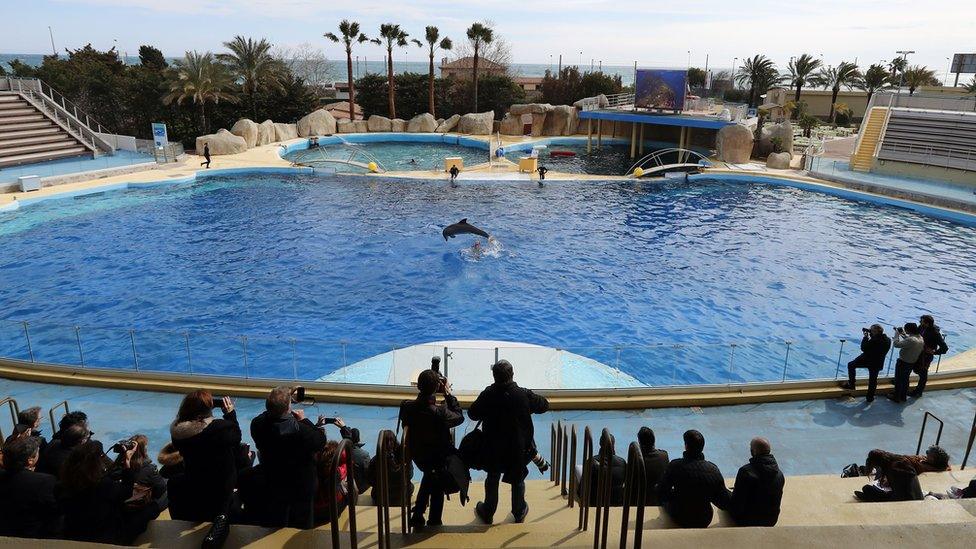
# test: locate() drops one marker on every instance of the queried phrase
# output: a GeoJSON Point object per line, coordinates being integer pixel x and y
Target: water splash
{"type": "Point", "coordinates": [493, 248]}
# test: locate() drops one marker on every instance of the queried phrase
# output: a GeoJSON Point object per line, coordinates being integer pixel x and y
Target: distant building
{"type": "Point", "coordinates": [461, 68]}
{"type": "Point", "coordinates": [528, 83]}
{"type": "Point", "coordinates": [340, 110]}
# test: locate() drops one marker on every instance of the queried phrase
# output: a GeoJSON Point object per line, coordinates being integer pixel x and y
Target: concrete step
{"type": "Point", "coordinates": [8, 106]}
{"type": "Point", "coordinates": [35, 132]}
{"type": "Point", "coordinates": [19, 119]}
{"type": "Point", "coordinates": [43, 156]}
{"type": "Point", "coordinates": [30, 125]}
{"type": "Point", "coordinates": [6, 142]}
{"type": "Point", "coordinates": [17, 111]}
{"type": "Point", "coordinates": [38, 147]}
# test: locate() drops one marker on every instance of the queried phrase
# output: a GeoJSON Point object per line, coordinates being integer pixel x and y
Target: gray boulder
{"type": "Point", "coordinates": [448, 124]}
{"type": "Point", "coordinates": [511, 125]}
{"type": "Point", "coordinates": [266, 133]}
{"type": "Point", "coordinates": [563, 120]}
{"type": "Point", "coordinates": [783, 131]}
{"type": "Point", "coordinates": [538, 124]}
{"type": "Point", "coordinates": [222, 142]}
{"type": "Point", "coordinates": [422, 123]}
{"type": "Point", "coordinates": [377, 123]}
{"type": "Point", "coordinates": [352, 126]}
{"type": "Point", "coordinates": [734, 144]}
{"type": "Point", "coordinates": [779, 161]}
{"type": "Point", "coordinates": [476, 123]}
{"type": "Point", "coordinates": [597, 101]}
{"type": "Point", "coordinates": [247, 129]}
{"type": "Point", "coordinates": [530, 108]}
{"type": "Point", "coordinates": [320, 122]}
{"type": "Point", "coordinates": [284, 132]}
{"type": "Point", "coordinates": [398, 125]}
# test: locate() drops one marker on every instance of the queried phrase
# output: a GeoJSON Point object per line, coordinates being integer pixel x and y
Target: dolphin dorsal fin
{"type": "Point", "coordinates": [465, 220]}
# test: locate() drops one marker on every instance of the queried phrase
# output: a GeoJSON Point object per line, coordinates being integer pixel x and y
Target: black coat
{"type": "Point", "coordinates": [53, 457]}
{"type": "Point", "coordinates": [505, 410]}
{"type": "Point", "coordinates": [618, 476]}
{"type": "Point", "coordinates": [430, 424]}
{"type": "Point", "coordinates": [287, 448]}
{"type": "Point", "coordinates": [395, 476]}
{"type": "Point", "coordinates": [28, 505]}
{"type": "Point", "coordinates": [98, 514]}
{"type": "Point", "coordinates": [688, 489]}
{"type": "Point", "coordinates": [758, 492]}
{"type": "Point", "coordinates": [209, 450]}
{"type": "Point", "coordinates": [873, 351]}
{"type": "Point", "coordinates": [655, 463]}
{"type": "Point", "coordinates": [935, 343]}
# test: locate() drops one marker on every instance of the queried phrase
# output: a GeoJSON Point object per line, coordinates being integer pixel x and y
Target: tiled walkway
{"type": "Point", "coordinates": [74, 165]}
{"type": "Point", "coordinates": [840, 169]}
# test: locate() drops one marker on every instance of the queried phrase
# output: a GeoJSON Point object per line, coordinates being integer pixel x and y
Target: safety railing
{"type": "Point", "coordinates": [406, 481]}
{"type": "Point", "coordinates": [939, 156]}
{"type": "Point", "coordinates": [969, 445]}
{"type": "Point", "coordinates": [14, 412]}
{"type": "Point", "coordinates": [343, 453]}
{"type": "Point", "coordinates": [50, 414]}
{"type": "Point", "coordinates": [921, 433]}
{"type": "Point", "coordinates": [52, 102]}
{"type": "Point", "coordinates": [584, 508]}
{"type": "Point", "coordinates": [382, 487]}
{"type": "Point", "coordinates": [635, 493]}
{"type": "Point", "coordinates": [604, 478]}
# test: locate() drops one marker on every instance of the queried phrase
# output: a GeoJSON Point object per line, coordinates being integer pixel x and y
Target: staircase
{"type": "Point", "coordinates": [863, 158]}
{"type": "Point", "coordinates": [27, 135]}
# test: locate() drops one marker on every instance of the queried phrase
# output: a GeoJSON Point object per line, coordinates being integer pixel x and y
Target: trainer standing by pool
{"type": "Point", "coordinates": [206, 155]}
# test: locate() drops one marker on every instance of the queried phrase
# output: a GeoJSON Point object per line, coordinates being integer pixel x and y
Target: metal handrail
{"type": "Point", "coordinates": [969, 446]}
{"type": "Point", "coordinates": [562, 462]}
{"type": "Point", "coordinates": [50, 413]}
{"type": "Point", "coordinates": [382, 489]}
{"type": "Point", "coordinates": [407, 479]}
{"type": "Point", "coordinates": [552, 451]}
{"type": "Point", "coordinates": [572, 468]}
{"type": "Point", "coordinates": [921, 433]}
{"type": "Point", "coordinates": [601, 522]}
{"type": "Point", "coordinates": [58, 97]}
{"type": "Point", "coordinates": [59, 109]}
{"type": "Point", "coordinates": [14, 413]}
{"type": "Point", "coordinates": [683, 154]}
{"type": "Point", "coordinates": [635, 489]}
{"type": "Point", "coordinates": [584, 512]}
{"type": "Point", "coordinates": [332, 489]}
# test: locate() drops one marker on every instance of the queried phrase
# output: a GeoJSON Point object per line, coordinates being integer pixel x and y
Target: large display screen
{"type": "Point", "coordinates": [964, 63]}
{"type": "Point", "coordinates": [661, 89]}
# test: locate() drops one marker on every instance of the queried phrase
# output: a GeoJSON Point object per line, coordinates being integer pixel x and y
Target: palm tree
{"type": "Point", "coordinates": [432, 35]}
{"type": "Point", "coordinates": [916, 76]}
{"type": "Point", "coordinates": [251, 62]}
{"type": "Point", "coordinates": [897, 65]}
{"type": "Point", "coordinates": [801, 69]}
{"type": "Point", "coordinates": [845, 74]}
{"type": "Point", "coordinates": [875, 78]}
{"type": "Point", "coordinates": [349, 34]}
{"type": "Point", "coordinates": [971, 87]}
{"type": "Point", "coordinates": [393, 35]}
{"type": "Point", "coordinates": [199, 78]}
{"type": "Point", "coordinates": [760, 73]}
{"type": "Point", "coordinates": [478, 35]}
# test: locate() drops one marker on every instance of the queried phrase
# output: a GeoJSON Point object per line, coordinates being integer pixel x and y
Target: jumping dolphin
{"type": "Point", "coordinates": [462, 227]}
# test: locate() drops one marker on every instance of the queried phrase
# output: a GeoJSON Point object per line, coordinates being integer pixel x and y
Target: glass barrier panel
{"type": "Point", "coordinates": [13, 342]}
{"type": "Point", "coordinates": [318, 360]}
{"type": "Point", "coordinates": [220, 355]}
{"type": "Point", "coordinates": [161, 351]}
{"type": "Point", "coordinates": [269, 357]}
{"type": "Point", "coordinates": [107, 347]}
{"type": "Point", "coordinates": [54, 343]}
{"type": "Point", "coordinates": [961, 353]}
{"type": "Point", "coordinates": [818, 359]}
{"type": "Point", "coordinates": [370, 363]}
{"type": "Point", "coordinates": [407, 363]}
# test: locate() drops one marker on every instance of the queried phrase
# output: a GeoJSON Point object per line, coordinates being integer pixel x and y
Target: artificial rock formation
{"type": "Point", "coordinates": [779, 161]}
{"type": "Point", "coordinates": [599, 101]}
{"type": "Point", "coordinates": [266, 133]}
{"type": "Point", "coordinates": [284, 132]}
{"type": "Point", "coordinates": [530, 108]}
{"type": "Point", "coordinates": [476, 123]}
{"type": "Point", "coordinates": [422, 123]}
{"type": "Point", "coordinates": [782, 131]}
{"type": "Point", "coordinates": [562, 120]}
{"type": "Point", "coordinates": [734, 144]}
{"type": "Point", "coordinates": [449, 124]}
{"type": "Point", "coordinates": [352, 126]}
{"type": "Point", "coordinates": [247, 129]}
{"type": "Point", "coordinates": [398, 125]}
{"type": "Point", "coordinates": [377, 123]}
{"type": "Point", "coordinates": [222, 142]}
{"type": "Point", "coordinates": [511, 125]}
{"type": "Point", "coordinates": [320, 122]}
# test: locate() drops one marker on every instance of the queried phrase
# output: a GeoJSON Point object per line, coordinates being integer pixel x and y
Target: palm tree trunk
{"type": "Point", "coordinates": [870, 93]}
{"type": "Point", "coordinates": [352, 91]}
{"type": "Point", "coordinates": [203, 118]}
{"type": "Point", "coordinates": [833, 101]}
{"type": "Point", "coordinates": [475, 77]}
{"type": "Point", "coordinates": [430, 85]}
{"type": "Point", "coordinates": [390, 92]}
{"type": "Point", "coordinates": [796, 102]}
{"type": "Point", "coordinates": [796, 98]}
{"type": "Point", "coordinates": [752, 95]}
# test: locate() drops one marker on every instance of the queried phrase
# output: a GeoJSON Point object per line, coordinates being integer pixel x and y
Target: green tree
{"type": "Point", "coordinates": [801, 69]}
{"type": "Point", "coordinates": [199, 78]}
{"type": "Point", "coordinates": [808, 122]}
{"type": "Point", "coordinates": [971, 87]}
{"type": "Point", "coordinates": [570, 85]}
{"type": "Point", "coordinates": [251, 63]}
{"type": "Point", "coordinates": [897, 66]}
{"type": "Point", "coordinates": [349, 34]}
{"type": "Point", "coordinates": [696, 77]}
{"type": "Point", "coordinates": [478, 35]}
{"type": "Point", "coordinates": [760, 73]}
{"type": "Point", "coordinates": [834, 78]}
{"type": "Point", "coordinates": [393, 36]}
{"type": "Point", "coordinates": [434, 42]}
{"type": "Point", "coordinates": [917, 76]}
{"type": "Point", "coordinates": [875, 78]}
{"type": "Point", "coordinates": [497, 93]}
{"type": "Point", "coordinates": [152, 58]}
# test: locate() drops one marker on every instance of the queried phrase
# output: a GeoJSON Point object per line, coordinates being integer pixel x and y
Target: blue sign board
{"type": "Point", "coordinates": [159, 135]}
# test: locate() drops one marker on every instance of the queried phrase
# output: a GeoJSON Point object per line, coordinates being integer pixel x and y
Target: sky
{"type": "Point", "coordinates": [618, 32]}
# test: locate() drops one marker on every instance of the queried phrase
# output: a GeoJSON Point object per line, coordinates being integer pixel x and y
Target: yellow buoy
{"type": "Point", "coordinates": [638, 172]}
{"type": "Point", "coordinates": [372, 167]}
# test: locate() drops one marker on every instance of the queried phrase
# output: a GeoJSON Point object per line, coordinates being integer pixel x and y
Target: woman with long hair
{"type": "Point", "coordinates": [395, 471]}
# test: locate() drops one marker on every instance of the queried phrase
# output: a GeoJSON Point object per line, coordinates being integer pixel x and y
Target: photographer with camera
{"type": "Point", "coordinates": [73, 430]}
{"type": "Point", "coordinates": [935, 344]}
{"type": "Point", "coordinates": [211, 451]}
{"type": "Point", "coordinates": [875, 345]}
{"type": "Point", "coordinates": [287, 444]}
{"type": "Point", "coordinates": [910, 342]}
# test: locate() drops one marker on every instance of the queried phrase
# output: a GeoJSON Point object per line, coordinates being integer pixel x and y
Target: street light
{"type": "Point", "coordinates": [734, 59]}
{"type": "Point", "coordinates": [904, 55]}
{"type": "Point", "coordinates": [945, 82]}
{"type": "Point", "coordinates": [689, 60]}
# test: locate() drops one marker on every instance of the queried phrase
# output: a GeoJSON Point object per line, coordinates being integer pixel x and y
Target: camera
{"type": "Point", "coordinates": [899, 329]}
{"type": "Point", "coordinates": [123, 446]}
{"type": "Point", "coordinates": [328, 421]}
{"type": "Point", "coordinates": [218, 401]}
{"type": "Point", "coordinates": [298, 395]}
{"type": "Point", "coordinates": [865, 331]}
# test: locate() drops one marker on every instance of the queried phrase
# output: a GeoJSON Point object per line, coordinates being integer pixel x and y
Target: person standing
{"type": "Point", "coordinates": [430, 442]}
{"type": "Point", "coordinates": [691, 485]}
{"type": "Point", "coordinates": [758, 489]}
{"type": "Point", "coordinates": [542, 174]}
{"type": "Point", "coordinates": [874, 348]}
{"type": "Point", "coordinates": [454, 171]}
{"type": "Point", "coordinates": [206, 155]}
{"type": "Point", "coordinates": [505, 410]}
{"type": "Point", "coordinates": [934, 345]}
{"type": "Point", "coordinates": [911, 345]}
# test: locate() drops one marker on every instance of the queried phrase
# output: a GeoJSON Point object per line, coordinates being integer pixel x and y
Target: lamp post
{"type": "Point", "coordinates": [689, 60]}
{"type": "Point", "coordinates": [51, 33]}
{"type": "Point", "coordinates": [734, 86]}
{"type": "Point", "coordinates": [945, 82]}
{"type": "Point", "coordinates": [904, 55]}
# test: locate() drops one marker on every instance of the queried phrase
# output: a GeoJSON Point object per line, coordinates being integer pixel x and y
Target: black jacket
{"type": "Point", "coordinates": [395, 476]}
{"type": "Point", "coordinates": [874, 350]}
{"type": "Point", "coordinates": [505, 410]}
{"type": "Point", "coordinates": [935, 343]}
{"type": "Point", "coordinates": [429, 424]}
{"type": "Point", "coordinates": [28, 505]}
{"type": "Point", "coordinates": [287, 448]}
{"type": "Point", "coordinates": [209, 450]}
{"type": "Point", "coordinates": [53, 457]}
{"type": "Point", "coordinates": [688, 489]}
{"type": "Point", "coordinates": [758, 492]}
{"type": "Point", "coordinates": [98, 514]}
{"type": "Point", "coordinates": [655, 463]}
{"type": "Point", "coordinates": [618, 476]}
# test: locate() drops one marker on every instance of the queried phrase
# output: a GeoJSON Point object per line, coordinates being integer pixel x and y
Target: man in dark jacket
{"type": "Point", "coordinates": [56, 452]}
{"type": "Point", "coordinates": [505, 410]}
{"type": "Point", "coordinates": [618, 475]}
{"type": "Point", "coordinates": [934, 345]}
{"type": "Point", "coordinates": [430, 443]}
{"type": "Point", "coordinates": [758, 488]}
{"type": "Point", "coordinates": [874, 348]}
{"type": "Point", "coordinates": [28, 504]}
{"type": "Point", "coordinates": [691, 485]}
{"type": "Point", "coordinates": [655, 462]}
{"type": "Point", "coordinates": [287, 443]}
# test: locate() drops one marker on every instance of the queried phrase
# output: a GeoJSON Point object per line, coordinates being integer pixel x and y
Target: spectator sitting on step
{"type": "Point", "coordinates": [956, 493]}
{"type": "Point", "coordinates": [29, 420]}
{"type": "Point", "coordinates": [758, 489]}
{"type": "Point", "coordinates": [655, 462]}
{"type": "Point", "coordinates": [144, 471]}
{"type": "Point", "coordinates": [360, 457]}
{"type": "Point", "coordinates": [73, 430]}
{"type": "Point", "coordinates": [28, 506]}
{"type": "Point", "coordinates": [618, 476]}
{"type": "Point", "coordinates": [879, 461]}
{"type": "Point", "coordinates": [900, 483]}
{"type": "Point", "coordinates": [395, 471]}
{"type": "Point", "coordinates": [691, 485]}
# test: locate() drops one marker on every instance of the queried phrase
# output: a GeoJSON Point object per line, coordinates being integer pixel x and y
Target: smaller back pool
{"type": "Point", "coordinates": [393, 156]}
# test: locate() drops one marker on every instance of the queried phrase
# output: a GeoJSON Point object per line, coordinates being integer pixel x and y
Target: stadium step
{"type": "Point", "coordinates": [8, 141]}
{"type": "Point", "coordinates": [863, 158]}
{"type": "Point", "coordinates": [43, 156]}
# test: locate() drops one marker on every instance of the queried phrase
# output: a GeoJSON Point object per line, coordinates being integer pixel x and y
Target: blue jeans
{"type": "Point", "coordinates": [491, 495]}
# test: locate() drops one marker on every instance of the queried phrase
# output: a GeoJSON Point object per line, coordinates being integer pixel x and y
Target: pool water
{"type": "Point", "coordinates": [392, 155]}
{"type": "Point", "coordinates": [607, 160]}
{"type": "Point", "coordinates": [656, 279]}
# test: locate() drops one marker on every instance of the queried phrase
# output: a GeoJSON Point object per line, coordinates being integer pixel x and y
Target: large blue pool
{"type": "Point", "coordinates": [659, 280]}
